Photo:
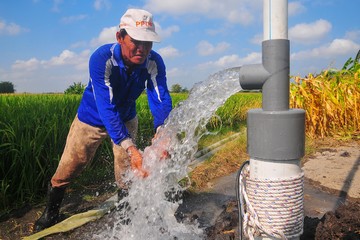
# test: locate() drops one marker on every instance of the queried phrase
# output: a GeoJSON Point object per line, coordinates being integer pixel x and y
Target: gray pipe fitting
{"type": "Point", "coordinates": [253, 76]}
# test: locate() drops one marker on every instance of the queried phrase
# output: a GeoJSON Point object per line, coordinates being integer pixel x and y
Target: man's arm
{"type": "Point", "coordinates": [159, 98]}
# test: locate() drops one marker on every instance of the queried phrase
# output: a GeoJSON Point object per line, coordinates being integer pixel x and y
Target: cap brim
{"type": "Point", "coordinates": [143, 35]}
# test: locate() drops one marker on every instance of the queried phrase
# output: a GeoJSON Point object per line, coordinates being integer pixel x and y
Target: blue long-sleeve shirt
{"type": "Point", "coordinates": [109, 99]}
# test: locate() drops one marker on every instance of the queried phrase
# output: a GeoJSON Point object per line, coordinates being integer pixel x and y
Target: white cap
{"type": "Point", "coordinates": [139, 25]}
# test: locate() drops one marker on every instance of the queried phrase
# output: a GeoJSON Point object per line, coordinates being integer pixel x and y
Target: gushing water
{"type": "Point", "coordinates": [151, 200]}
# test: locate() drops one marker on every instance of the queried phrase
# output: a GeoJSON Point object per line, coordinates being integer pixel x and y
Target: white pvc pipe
{"type": "Point", "coordinates": [275, 19]}
{"type": "Point", "coordinates": [274, 169]}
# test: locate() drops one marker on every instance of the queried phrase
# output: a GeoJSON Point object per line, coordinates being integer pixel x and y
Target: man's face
{"type": "Point", "coordinates": [134, 51]}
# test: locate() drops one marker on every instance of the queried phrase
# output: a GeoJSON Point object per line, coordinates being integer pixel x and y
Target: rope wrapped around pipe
{"type": "Point", "coordinates": [272, 207]}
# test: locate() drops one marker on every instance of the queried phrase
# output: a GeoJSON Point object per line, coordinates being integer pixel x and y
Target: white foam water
{"type": "Point", "coordinates": [152, 214]}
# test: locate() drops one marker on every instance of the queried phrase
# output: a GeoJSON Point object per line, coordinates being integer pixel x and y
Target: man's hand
{"type": "Point", "coordinates": [136, 161]}
{"type": "Point", "coordinates": [160, 143]}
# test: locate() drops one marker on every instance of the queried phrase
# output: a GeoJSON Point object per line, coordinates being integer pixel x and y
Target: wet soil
{"type": "Point", "coordinates": [342, 222]}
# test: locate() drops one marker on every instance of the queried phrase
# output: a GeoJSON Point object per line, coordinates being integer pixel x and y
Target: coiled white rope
{"type": "Point", "coordinates": [271, 207]}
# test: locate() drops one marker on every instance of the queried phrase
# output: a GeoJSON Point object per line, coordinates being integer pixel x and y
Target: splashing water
{"type": "Point", "coordinates": [152, 214]}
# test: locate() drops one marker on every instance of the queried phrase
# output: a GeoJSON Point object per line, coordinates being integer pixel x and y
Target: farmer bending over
{"type": "Point", "coordinates": [119, 72]}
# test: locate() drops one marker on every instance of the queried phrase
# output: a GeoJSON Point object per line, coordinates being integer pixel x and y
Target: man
{"type": "Point", "coordinates": [118, 75]}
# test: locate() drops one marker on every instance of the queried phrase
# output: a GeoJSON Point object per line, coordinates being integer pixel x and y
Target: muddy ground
{"type": "Point", "coordinates": [342, 223]}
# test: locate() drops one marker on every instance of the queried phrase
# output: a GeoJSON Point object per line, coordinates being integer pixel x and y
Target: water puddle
{"type": "Point", "coordinates": [152, 214]}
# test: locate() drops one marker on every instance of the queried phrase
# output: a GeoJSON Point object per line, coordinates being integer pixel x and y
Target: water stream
{"type": "Point", "coordinates": [152, 214]}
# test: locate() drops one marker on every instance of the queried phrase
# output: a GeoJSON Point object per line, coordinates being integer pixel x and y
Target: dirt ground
{"type": "Point", "coordinates": [332, 168]}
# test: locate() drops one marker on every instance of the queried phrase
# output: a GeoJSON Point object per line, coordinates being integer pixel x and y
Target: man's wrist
{"type": "Point", "coordinates": [126, 143]}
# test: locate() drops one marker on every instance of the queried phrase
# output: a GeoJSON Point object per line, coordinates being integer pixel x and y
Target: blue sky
{"type": "Point", "coordinates": [45, 44]}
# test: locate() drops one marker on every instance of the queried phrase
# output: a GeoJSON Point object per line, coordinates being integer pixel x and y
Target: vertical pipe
{"type": "Point", "coordinates": [275, 19]}
{"type": "Point", "coordinates": [275, 132]}
{"type": "Point", "coordinates": [275, 56]}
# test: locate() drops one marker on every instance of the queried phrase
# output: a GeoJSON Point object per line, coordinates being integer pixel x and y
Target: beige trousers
{"type": "Point", "coordinates": [81, 144]}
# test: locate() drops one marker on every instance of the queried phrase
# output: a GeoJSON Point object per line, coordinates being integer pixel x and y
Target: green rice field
{"type": "Point", "coordinates": [33, 131]}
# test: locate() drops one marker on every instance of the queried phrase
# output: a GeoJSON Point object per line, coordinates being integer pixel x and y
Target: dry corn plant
{"type": "Point", "coordinates": [331, 102]}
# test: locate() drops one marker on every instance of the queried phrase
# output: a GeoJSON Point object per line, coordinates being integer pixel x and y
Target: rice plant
{"type": "Point", "coordinates": [32, 133]}
{"type": "Point", "coordinates": [234, 110]}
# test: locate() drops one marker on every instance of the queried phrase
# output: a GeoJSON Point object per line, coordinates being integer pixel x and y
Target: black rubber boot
{"type": "Point", "coordinates": [50, 215]}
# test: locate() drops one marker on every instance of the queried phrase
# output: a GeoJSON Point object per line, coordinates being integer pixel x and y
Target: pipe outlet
{"type": "Point", "coordinates": [253, 76]}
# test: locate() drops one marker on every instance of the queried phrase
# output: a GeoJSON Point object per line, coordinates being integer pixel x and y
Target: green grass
{"type": "Point", "coordinates": [230, 118]}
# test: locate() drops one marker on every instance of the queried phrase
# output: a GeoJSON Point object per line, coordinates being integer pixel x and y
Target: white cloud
{"type": "Point", "coordinates": [205, 48]}
{"type": "Point", "coordinates": [101, 4]}
{"type": "Point", "coordinates": [338, 47]}
{"type": "Point", "coordinates": [233, 11]}
{"type": "Point", "coordinates": [257, 39]}
{"type": "Point", "coordinates": [71, 19]}
{"type": "Point", "coordinates": [167, 32]}
{"type": "Point", "coordinates": [295, 8]}
{"type": "Point", "coordinates": [233, 60]}
{"type": "Point", "coordinates": [52, 75]}
{"type": "Point", "coordinates": [28, 65]}
{"type": "Point", "coordinates": [230, 60]}
{"type": "Point", "coordinates": [353, 35]}
{"type": "Point", "coordinates": [251, 58]}
{"type": "Point", "coordinates": [83, 60]}
{"type": "Point", "coordinates": [309, 32]}
{"type": "Point", "coordinates": [11, 28]}
{"type": "Point", "coordinates": [173, 72]}
{"type": "Point", "coordinates": [66, 57]}
{"type": "Point", "coordinates": [107, 35]}
{"type": "Point", "coordinates": [169, 52]}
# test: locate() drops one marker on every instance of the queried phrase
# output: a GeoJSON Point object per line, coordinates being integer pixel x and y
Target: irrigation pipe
{"type": "Point", "coordinates": [76, 220]}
